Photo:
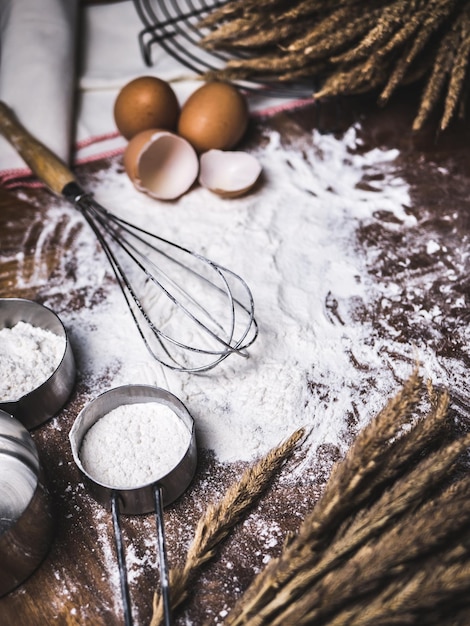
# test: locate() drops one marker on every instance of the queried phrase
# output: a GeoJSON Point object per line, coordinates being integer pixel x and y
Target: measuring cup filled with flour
{"type": "Point", "coordinates": [37, 367]}
{"type": "Point", "coordinates": [135, 445]}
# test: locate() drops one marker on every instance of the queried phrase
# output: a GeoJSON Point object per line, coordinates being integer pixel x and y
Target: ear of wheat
{"type": "Point", "coordinates": [350, 47]}
{"type": "Point", "coordinates": [388, 542]}
{"type": "Point", "coordinates": [392, 521]}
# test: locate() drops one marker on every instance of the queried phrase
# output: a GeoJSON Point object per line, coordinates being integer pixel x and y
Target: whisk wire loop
{"type": "Point", "coordinates": [142, 260]}
{"type": "Point", "coordinates": [211, 336]}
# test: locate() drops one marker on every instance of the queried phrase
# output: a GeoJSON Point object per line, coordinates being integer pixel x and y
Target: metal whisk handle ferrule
{"type": "Point", "coordinates": [73, 192]}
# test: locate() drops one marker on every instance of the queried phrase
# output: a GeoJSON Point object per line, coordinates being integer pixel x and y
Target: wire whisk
{"type": "Point", "coordinates": [156, 275]}
{"type": "Point", "coordinates": [190, 312]}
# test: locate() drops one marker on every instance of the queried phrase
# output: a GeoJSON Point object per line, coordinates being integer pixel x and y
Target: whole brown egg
{"type": "Point", "coordinates": [143, 103]}
{"type": "Point", "coordinates": [215, 116]}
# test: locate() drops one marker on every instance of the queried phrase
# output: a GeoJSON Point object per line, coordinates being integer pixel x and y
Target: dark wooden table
{"type": "Point", "coordinates": [77, 583]}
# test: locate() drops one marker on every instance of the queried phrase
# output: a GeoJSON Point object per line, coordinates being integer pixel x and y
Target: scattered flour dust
{"type": "Point", "coordinates": [29, 355]}
{"type": "Point", "coordinates": [314, 363]}
{"type": "Point", "coordinates": [134, 445]}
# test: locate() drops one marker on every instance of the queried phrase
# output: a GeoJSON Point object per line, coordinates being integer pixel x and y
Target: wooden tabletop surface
{"type": "Point", "coordinates": [76, 584]}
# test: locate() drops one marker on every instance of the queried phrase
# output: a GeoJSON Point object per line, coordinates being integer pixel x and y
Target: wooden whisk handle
{"type": "Point", "coordinates": [47, 166]}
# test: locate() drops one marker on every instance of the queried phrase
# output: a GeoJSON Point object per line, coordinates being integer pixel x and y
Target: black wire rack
{"type": "Point", "coordinates": [174, 26]}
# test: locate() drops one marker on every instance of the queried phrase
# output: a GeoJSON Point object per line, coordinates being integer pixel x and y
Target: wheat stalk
{"type": "Point", "coordinates": [398, 544]}
{"type": "Point", "coordinates": [350, 484]}
{"type": "Point", "coordinates": [387, 543]}
{"type": "Point", "coordinates": [218, 520]}
{"type": "Point", "coordinates": [435, 585]}
{"type": "Point", "coordinates": [377, 47]}
{"type": "Point", "coordinates": [443, 64]}
{"type": "Point", "coordinates": [413, 537]}
{"type": "Point", "coordinates": [381, 502]}
{"type": "Point", "coordinates": [437, 13]}
{"type": "Point", "coordinates": [459, 71]}
{"type": "Point", "coordinates": [393, 504]}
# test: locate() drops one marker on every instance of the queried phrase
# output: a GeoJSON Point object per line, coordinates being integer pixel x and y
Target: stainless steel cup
{"type": "Point", "coordinates": [26, 521]}
{"type": "Point", "coordinates": [41, 403]}
{"type": "Point", "coordinates": [140, 499]}
{"type": "Point", "coordinates": [144, 498]}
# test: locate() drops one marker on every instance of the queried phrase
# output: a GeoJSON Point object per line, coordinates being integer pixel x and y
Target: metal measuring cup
{"type": "Point", "coordinates": [41, 403]}
{"type": "Point", "coordinates": [26, 520]}
{"type": "Point", "coordinates": [146, 498]}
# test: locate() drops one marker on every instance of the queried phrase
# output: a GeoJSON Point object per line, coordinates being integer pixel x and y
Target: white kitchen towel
{"type": "Point", "coordinates": [110, 57]}
{"type": "Point", "coordinates": [38, 71]}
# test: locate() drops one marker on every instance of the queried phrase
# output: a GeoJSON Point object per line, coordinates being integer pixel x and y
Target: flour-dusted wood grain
{"type": "Point", "coordinates": [420, 277]}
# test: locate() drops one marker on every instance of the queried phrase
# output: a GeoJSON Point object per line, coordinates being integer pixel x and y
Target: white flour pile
{"type": "Point", "coordinates": [134, 445]}
{"type": "Point", "coordinates": [29, 355]}
{"type": "Point", "coordinates": [315, 362]}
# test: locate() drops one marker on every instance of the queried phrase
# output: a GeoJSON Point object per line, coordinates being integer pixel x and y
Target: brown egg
{"type": "Point", "coordinates": [145, 102]}
{"type": "Point", "coordinates": [214, 117]}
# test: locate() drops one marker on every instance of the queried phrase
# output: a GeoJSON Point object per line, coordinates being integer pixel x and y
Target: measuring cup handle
{"type": "Point", "coordinates": [44, 163]}
{"type": "Point", "coordinates": [126, 601]}
{"type": "Point", "coordinates": [164, 577]}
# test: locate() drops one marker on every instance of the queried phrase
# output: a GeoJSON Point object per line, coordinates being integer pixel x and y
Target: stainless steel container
{"type": "Point", "coordinates": [146, 497]}
{"type": "Point", "coordinates": [26, 521]}
{"type": "Point", "coordinates": [141, 499]}
{"type": "Point", "coordinates": [40, 404]}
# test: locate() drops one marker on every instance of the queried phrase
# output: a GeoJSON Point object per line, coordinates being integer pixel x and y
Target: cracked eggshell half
{"type": "Point", "coordinates": [161, 164]}
{"type": "Point", "coordinates": [228, 174]}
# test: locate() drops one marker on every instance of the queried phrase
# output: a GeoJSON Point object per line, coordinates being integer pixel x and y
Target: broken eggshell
{"type": "Point", "coordinates": [161, 164]}
{"type": "Point", "coordinates": [228, 174]}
